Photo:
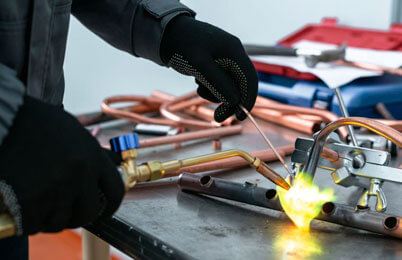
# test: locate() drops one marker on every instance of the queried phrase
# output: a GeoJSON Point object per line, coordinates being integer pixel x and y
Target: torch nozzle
{"type": "Point", "coordinates": [264, 170]}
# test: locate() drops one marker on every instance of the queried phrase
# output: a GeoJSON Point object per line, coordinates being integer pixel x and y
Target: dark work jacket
{"type": "Point", "coordinates": [33, 36]}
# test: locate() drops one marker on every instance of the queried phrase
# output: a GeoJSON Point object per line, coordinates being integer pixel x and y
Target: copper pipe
{"type": "Point", "coordinates": [206, 133]}
{"type": "Point", "coordinates": [135, 117]}
{"type": "Point", "coordinates": [190, 123]}
{"type": "Point", "coordinates": [132, 116]}
{"type": "Point", "coordinates": [188, 103]}
{"type": "Point", "coordinates": [93, 118]}
{"type": "Point", "coordinates": [313, 118]}
{"type": "Point", "coordinates": [395, 124]}
{"type": "Point", "coordinates": [327, 116]}
{"type": "Point", "coordinates": [270, 104]}
{"type": "Point", "coordinates": [290, 121]}
{"type": "Point", "coordinates": [372, 125]}
{"type": "Point", "coordinates": [198, 111]}
{"type": "Point", "coordinates": [329, 154]}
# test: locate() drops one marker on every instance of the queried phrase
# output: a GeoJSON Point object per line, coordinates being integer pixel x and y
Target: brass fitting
{"type": "Point", "coordinates": [128, 168]}
{"type": "Point", "coordinates": [154, 170]}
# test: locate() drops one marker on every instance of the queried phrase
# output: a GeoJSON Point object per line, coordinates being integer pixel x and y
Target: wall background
{"type": "Point", "coordinates": [94, 70]}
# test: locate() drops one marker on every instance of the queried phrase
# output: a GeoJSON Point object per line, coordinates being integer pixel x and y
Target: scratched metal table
{"type": "Point", "coordinates": [165, 223]}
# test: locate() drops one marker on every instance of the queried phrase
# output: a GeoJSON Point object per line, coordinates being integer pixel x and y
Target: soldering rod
{"type": "Point", "coordinates": [266, 139]}
{"type": "Point", "coordinates": [345, 113]}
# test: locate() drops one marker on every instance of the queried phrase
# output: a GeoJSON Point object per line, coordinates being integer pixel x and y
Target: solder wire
{"type": "Point", "coordinates": [280, 158]}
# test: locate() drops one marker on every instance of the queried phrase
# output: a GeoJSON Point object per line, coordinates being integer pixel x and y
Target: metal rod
{"type": "Point", "coordinates": [364, 219]}
{"type": "Point", "coordinates": [345, 113]}
{"type": "Point", "coordinates": [266, 139]}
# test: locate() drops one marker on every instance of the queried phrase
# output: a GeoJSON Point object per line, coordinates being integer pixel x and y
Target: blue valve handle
{"type": "Point", "coordinates": [124, 142]}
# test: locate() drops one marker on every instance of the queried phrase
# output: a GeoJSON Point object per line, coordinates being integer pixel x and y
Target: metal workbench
{"type": "Point", "coordinates": [165, 223]}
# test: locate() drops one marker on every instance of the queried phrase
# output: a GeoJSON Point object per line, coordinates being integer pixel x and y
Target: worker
{"type": "Point", "coordinates": [53, 173]}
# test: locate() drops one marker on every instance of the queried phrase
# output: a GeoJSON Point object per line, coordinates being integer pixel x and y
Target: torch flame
{"type": "Point", "coordinates": [304, 200]}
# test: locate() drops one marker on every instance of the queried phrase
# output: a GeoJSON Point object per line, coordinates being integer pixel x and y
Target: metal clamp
{"type": "Point", "coordinates": [356, 166]}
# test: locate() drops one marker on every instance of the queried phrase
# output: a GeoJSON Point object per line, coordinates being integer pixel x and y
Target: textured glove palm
{"type": "Point", "coordinates": [53, 173]}
{"type": "Point", "coordinates": [216, 59]}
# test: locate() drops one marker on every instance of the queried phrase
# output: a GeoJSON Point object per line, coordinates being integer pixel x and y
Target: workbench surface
{"type": "Point", "coordinates": [165, 223]}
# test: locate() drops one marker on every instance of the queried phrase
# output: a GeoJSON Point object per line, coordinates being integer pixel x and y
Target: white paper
{"type": "Point", "coordinates": [334, 75]}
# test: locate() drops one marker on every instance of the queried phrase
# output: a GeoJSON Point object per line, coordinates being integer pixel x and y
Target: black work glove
{"type": "Point", "coordinates": [216, 59]}
{"type": "Point", "coordinates": [53, 173]}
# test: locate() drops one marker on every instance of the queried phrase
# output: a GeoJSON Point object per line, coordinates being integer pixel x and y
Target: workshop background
{"type": "Point", "coordinates": [95, 70]}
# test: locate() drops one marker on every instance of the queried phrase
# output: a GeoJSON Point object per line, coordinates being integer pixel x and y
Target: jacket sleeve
{"type": "Point", "coordinates": [11, 98]}
{"type": "Point", "coordinates": [135, 26]}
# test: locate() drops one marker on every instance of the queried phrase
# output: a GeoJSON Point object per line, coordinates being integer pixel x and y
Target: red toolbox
{"type": "Point", "coordinates": [328, 31]}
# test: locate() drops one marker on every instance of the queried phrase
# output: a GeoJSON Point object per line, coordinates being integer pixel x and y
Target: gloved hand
{"type": "Point", "coordinates": [53, 173]}
{"type": "Point", "coordinates": [216, 59]}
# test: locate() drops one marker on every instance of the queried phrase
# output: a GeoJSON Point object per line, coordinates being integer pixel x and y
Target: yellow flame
{"type": "Point", "coordinates": [297, 244]}
{"type": "Point", "coordinates": [304, 200]}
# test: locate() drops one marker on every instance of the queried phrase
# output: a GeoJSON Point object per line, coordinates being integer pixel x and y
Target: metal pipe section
{"type": "Point", "coordinates": [372, 125]}
{"type": "Point", "coordinates": [364, 219]}
{"type": "Point", "coordinates": [194, 135]}
{"type": "Point", "coordinates": [246, 193]}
